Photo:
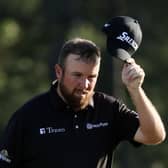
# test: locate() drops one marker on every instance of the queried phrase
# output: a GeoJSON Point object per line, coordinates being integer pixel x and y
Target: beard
{"type": "Point", "coordinates": [77, 98]}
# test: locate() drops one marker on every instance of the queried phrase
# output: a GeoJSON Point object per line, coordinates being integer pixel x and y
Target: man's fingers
{"type": "Point", "coordinates": [130, 61]}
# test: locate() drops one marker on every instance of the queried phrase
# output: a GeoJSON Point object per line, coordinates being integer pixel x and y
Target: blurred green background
{"type": "Point", "coordinates": [32, 32]}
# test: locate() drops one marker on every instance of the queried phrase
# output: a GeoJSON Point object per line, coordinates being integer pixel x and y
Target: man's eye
{"type": "Point", "coordinates": [77, 75]}
{"type": "Point", "coordinates": [92, 77]}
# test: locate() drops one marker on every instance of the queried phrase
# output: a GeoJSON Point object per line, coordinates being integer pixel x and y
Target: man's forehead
{"type": "Point", "coordinates": [79, 66]}
{"type": "Point", "coordinates": [77, 58]}
{"type": "Point", "coordinates": [74, 57]}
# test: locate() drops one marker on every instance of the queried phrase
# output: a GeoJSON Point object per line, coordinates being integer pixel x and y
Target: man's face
{"type": "Point", "coordinates": [77, 80]}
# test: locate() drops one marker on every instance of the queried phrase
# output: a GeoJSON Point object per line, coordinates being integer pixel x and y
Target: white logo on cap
{"type": "Point", "coordinates": [107, 25]}
{"type": "Point", "coordinates": [124, 37]}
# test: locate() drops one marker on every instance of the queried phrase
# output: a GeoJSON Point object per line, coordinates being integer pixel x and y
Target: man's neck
{"type": "Point", "coordinates": [60, 94]}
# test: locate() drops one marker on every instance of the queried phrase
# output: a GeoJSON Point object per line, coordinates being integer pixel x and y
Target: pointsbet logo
{"type": "Point", "coordinates": [90, 126]}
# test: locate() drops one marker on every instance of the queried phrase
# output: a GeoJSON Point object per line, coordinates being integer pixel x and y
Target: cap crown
{"type": "Point", "coordinates": [124, 36]}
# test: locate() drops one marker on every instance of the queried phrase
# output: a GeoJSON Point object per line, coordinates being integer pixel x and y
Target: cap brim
{"type": "Point", "coordinates": [120, 54]}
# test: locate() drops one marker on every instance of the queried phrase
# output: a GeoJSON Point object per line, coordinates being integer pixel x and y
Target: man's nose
{"type": "Point", "coordinates": [85, 83]}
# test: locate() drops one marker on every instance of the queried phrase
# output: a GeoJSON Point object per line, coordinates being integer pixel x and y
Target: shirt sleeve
{"type": "Point", "coordinates": [127, 123]}
{"type": "Point", "coordinates": [124, 121]}
{"type": "Point", "coordinates": [10, 144]}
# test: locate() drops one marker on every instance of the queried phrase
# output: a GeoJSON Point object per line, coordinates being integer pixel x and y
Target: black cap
{"type": "Point", "coordinates": [124, 36]}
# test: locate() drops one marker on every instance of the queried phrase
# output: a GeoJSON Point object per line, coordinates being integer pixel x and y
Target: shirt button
{"type": "Point", "coordinates": [75, 116]}
{"type": "Point", "coordinates": [76, 126]}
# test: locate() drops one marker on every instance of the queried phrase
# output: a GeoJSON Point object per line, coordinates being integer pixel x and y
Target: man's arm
{"type": "Point", "coordinates": [151, 129]}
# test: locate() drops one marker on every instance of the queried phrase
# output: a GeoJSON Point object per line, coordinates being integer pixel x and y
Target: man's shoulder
{"type": "Point", "coordinates": [34, 104]}
{"type": "Point", "coordinates": [38, 100]}
{"type": "Point", "coordinates": [101, 96]}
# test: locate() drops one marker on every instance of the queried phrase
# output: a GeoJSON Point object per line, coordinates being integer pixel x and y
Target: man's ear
{"type": "Point", "coordinates": [58, 71]}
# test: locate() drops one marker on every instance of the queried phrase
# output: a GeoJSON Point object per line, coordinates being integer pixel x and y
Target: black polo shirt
{"type": "Point", "coordinates": [46, 133]}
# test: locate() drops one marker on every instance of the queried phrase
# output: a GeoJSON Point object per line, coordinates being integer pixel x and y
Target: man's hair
{"type": "Point", "coordinates": [86, 49]}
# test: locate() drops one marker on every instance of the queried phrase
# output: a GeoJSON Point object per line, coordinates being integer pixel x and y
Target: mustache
{"type": "Point", "coordinates": [82, 91]}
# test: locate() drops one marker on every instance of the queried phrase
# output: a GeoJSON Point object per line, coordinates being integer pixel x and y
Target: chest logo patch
{"type": "Point", "coordinates": [90, 126]}
{"type": "Point", "coordinates": [51, 130]}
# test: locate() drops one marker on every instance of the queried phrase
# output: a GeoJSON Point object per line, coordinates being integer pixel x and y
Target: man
{"type": "Point", "coordinates": [72, 125]}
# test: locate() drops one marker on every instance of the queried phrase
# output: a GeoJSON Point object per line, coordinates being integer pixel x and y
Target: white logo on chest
{"type": "Point", "coordinates": [98, 125]}
{"type": "Point", "coordinates": [51, 130]}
